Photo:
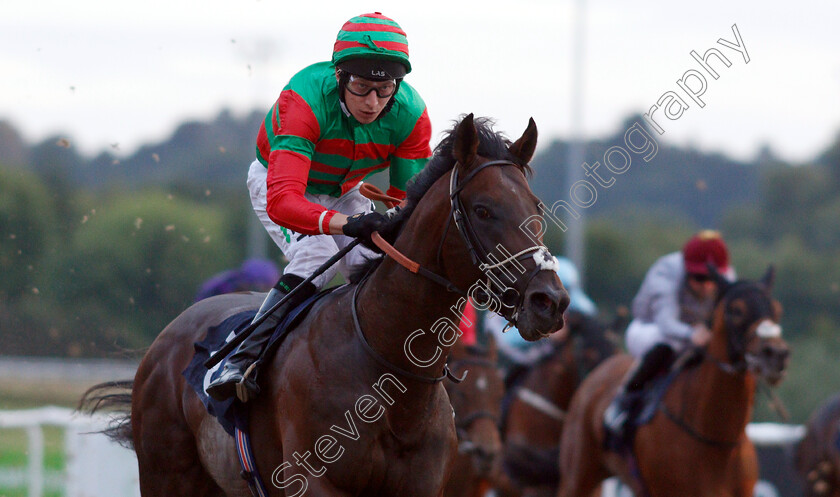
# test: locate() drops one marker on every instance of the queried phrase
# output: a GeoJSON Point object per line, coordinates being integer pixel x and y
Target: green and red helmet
{"type": "Point", "coordinates": [372, 46]}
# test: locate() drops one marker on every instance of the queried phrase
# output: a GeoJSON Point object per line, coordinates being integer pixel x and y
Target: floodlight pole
{"type": "Point", "coordinates": [575, 243]}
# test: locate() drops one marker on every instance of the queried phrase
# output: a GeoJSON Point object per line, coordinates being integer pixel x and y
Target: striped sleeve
{"type": "Point", "coordinates": [292, 129]}
{"type": "Point", "coordinates": [411, 155]}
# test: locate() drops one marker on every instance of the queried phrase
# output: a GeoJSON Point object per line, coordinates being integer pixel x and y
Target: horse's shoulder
{"type": "Point", "coordinates": [323, 332]}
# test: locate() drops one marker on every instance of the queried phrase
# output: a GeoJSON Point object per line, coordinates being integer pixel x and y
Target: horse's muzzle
{"type": "Point", "coordinates": [542, 312]}
{"type": "Point", "coordinates": [771, 361]}
{"type": "Point", "coordinates": [483, 445]}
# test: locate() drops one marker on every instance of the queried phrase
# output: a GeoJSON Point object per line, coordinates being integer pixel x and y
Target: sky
{"type": "Point", "coordinates": [117, 75]}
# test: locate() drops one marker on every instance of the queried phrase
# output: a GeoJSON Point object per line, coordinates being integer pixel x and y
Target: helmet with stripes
{"type": "Point", "coordinates": [372, 46]}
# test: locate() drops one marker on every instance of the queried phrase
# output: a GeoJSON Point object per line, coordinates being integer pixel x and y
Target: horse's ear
{"type": "Point", "coordinates": [466, 142]}
{"type": "Point", "coordinates": [721, 281]}
{"type": "Point", "coordinates": [523, 148]}
{"type": "Point", "coordinates": [769, 278]}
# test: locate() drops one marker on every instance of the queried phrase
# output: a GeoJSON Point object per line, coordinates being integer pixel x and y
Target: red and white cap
{"type": "Point", "coordinates": [703, 248]}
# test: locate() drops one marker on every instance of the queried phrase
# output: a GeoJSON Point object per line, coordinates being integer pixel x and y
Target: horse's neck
{"type": "Point", "coordinates": [407, 318]}
{"type": "Point", "coordinates": [722, 400]}
{"type": "Point", "coordinates": [403, 316]}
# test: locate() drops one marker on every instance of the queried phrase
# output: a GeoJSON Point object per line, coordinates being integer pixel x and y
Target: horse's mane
{"type": "Point", "coordinates": [491, 144]}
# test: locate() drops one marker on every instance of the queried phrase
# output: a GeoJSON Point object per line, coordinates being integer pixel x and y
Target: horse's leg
{"type": "Point", "coordinates": [168, 459]}
{"type": "Point", "coordinates": [167, 454]}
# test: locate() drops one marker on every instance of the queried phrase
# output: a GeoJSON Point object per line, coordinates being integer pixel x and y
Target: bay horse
{"type": "Point", "coordinates": [540, 399]}
{"type": "Point", "coordinates": [360, 375]}
{"type": "Point", "coordinates": [817, 457]}
{"type": "Point", "coordinates": [696, 444]}
{"type": "Point", "coordinates": [476, 402]}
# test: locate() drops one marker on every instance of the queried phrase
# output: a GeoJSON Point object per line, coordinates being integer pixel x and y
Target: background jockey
{"type": "Point", "coordinates": [670, 313]}
{"type": "Point", "coordinates": [517, 351]}
{"type": "Point", "coordinates": [334, 124]}
{"type": "Point", "coordinates": [257, 275]}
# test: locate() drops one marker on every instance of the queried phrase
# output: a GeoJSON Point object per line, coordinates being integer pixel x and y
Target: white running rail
{"type": "Point", "coordinates": [95, 466]}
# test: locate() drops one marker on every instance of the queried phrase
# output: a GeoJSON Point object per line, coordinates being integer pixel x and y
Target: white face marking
{"type": "Point", "coordinates": [481, 383]}
{"type": "Point", "coordinates": [768, 329]}
{"type": "Point", "coordinates": [545, 260]}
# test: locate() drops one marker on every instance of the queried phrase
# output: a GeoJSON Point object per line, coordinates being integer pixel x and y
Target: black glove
{"type": "Point", "coordinates": [361, 225]}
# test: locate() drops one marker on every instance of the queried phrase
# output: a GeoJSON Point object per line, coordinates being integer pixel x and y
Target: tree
{"type": "Point", "coordinates": [27, 220]}
{"type": "Point", "coordinates": [137, 263]}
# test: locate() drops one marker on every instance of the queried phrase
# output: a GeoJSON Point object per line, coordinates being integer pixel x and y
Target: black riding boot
{"type": "Point", "coordinates": [239, 374]}
{"type": "Point", "coordinates": [618, 412]}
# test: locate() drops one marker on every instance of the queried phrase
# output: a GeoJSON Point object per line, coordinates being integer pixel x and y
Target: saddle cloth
{"type": "Point", "coordinates": [198, 377]}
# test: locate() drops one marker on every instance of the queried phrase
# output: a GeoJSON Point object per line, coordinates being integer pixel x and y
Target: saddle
{"type": "Point", "coordinates": [198, 377]}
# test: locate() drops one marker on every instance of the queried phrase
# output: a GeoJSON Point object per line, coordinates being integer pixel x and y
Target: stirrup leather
{"type": "Point", "coordinates": [243, 393]}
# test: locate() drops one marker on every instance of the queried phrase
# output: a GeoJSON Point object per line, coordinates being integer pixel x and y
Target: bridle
{"type": "Point", "coordinates": [740, 360]}
{"type": "Point", "coordinates": [480, 257]}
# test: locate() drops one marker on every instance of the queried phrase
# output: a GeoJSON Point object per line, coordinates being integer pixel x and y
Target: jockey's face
{"type": "Point", "coordinates": [366, 108]}
{"type": "Point", "coordinates": [702, 286]}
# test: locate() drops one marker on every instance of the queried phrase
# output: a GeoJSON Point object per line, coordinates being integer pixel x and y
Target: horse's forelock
{"type": "Point", "coordinates": [492, 145]}
{"type": "Point", "coordinates": [744, 288]}
{"type": "Point", "coordinates": [754, 294]}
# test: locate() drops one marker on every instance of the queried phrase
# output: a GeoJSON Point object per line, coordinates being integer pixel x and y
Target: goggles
{"type": "Point", "coordinates": [362, 87]}
{"type": "Point", "coordinates": [699, 278]}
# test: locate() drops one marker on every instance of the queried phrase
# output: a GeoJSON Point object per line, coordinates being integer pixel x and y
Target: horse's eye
{"type": "Point", "coordinates": [482, 212]}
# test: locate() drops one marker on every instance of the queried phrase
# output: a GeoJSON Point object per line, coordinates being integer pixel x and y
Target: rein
{"type": "Point", "coordinates": [731, 369]}
{"type": "Point", "coordinates": [724, 444]}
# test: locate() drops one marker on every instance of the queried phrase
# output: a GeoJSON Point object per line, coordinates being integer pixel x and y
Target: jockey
{"type": "Point", "coordinates": [334, 124]}
{"type": "Point", "coordinates": [670, 314]}
{"type": "Point", "coordinates": [522, 353]}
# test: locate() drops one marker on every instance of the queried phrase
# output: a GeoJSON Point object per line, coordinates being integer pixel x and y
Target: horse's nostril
{"type": "Point", "coordinates": [485, 457]}
{"type": "Point", "coordinates": [541, 302]}
{"type": "Point", "coordinates": [565, 300]}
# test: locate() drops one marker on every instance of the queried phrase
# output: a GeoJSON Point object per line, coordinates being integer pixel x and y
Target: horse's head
{"type": "Point", "coordinates": [477, 403]}
{"type": "Point", "coordinates": [490, 203]}
{"type": "Point", "coordinates": [749, 316]}
{"type": "Point", "coordinates": [595, 344]}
